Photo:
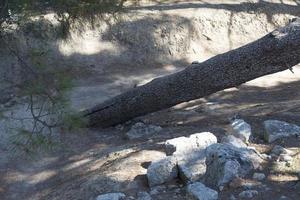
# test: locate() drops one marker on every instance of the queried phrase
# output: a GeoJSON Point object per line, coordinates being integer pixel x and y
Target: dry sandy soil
{"type": "Point", "coordinates": [94, 161]}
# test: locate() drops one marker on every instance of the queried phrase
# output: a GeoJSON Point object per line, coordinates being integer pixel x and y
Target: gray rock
{"type": "Point", "coordinates": [143, 196]}
{"type": "Point", "coordinates": [230, 171]}
{"type": "Point", "coordinates": [248, 194]}
{"type": "Point", "coordinates": [241, 129]}
{"type": "Point", "coordinates": [192, 166]}
{"type": "Point", "coordinates": [198, 191]}
{"type": "Point", "coordinates": [162, 171]}
{"type": "Point", "coordinates": [182, 145]}
{"type": "Point", "coordinates": [281, 154]}
{"type": "Point", "coordinates": [259, 176]}
{"type": "Point", "coordinates": [111, 196]}
{"type": "Point", "coordinates": [234, 141]}
{"type": "Point", "coordinates": [232, 197]}
{"type": "Point", "coordinates": [190, 154]}
{"type": "Point", "coordinates": [276, 129]}
{"type": "Point", "coordinates": [277, 150]}
{"type": "Point", "coordinates": [140, 129]}
{"type": "Point", "coordinates": [225, 162]}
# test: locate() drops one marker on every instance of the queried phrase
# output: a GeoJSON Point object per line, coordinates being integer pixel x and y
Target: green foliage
{"type": "Point", "coordinates": [67, 11]}
{"type": "Point", "coordinates": [29, 143]}
{"type": "Point", "coordinates": [74, 8]}
{"type": "Point", "coordinates": [73, 121]}
{"type": "Point", "coordinates": [44, 90]}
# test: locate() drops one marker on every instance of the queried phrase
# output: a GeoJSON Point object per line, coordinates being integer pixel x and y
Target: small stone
{"type": "Point", "coordinates": [285, 158]}
{"type": "Point", "coordinates": [266, 156]}
{"type": "Point", "coordinates": [143, 196]}
{"type": "Point", "coordinates": [162, 171]}
{"type": "Point", "coordinates": [157, 189]}
{"type": "Point", "coordinates": [198, 191]}
{"type": "Point", "coordinates": [232, 197]}
{"type": "Point", "coordinates": [248, 194]}
{"type": "Point", "coordinates": [259, 176]}
{"type": "Point", "coordinates": [111, 196]}
{"type": "Point", "coordinates": [234, 141]}
{"type": "Point", "coordinates": [119, 127]}
{"type": "Point", "coordinates": [276, 129]}
{"type": "Point", "coordinates": [241, 129]}
{"type": "Point", "coordinates": [288, 164]}
{"type": "Point", "coordinates": [221, 188]}
{"type": "Point", "coordinates": [141, 130]}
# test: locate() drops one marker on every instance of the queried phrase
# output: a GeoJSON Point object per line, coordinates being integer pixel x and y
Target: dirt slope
{"type": "Point", "coordinates": [145, 42]}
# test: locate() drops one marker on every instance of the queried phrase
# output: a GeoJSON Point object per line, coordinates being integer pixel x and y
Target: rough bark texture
{"type": "Point", "coordinates": [277, 51]}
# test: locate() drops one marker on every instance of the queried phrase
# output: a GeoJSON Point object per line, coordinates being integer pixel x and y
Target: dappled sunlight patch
{"type": "Point", "coordinates": [87, 46]}
{"type": "Point", "coordinates": [77, 164]}
{"type": "Point", "coordinates": [282, 177]}
{"type": "Point", "coordinates": [291, 167]}
{"type": "Point", "coordinates": [14, 177]}
{"type": "Point", "coordinates": [41, 176]}
{"type": "Point", "coordinates": [276, 79]}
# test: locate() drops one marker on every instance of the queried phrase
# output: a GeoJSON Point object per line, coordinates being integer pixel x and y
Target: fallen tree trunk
{"type": "Point", "coordinates": [277, 51]}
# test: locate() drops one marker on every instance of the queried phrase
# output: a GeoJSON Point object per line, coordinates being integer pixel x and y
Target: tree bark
{"type": "Point", "coordinates": [277, 51]}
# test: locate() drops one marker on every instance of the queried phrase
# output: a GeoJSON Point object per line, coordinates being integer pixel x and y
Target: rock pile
{"type": "Point", "coordinates": [206, 166]}
{"type": "Point", "coordinates": [201, 160]}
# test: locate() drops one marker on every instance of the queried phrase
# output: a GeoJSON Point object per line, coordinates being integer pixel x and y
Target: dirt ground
{"type": "Point", "coordinates": [99, 161]}
{"type": "Point", "coordinates": [96, 161]}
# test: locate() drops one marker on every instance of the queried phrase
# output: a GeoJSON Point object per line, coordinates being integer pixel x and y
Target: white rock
{"type": "Point", "coordinates": [241, 129]}
{"type": "Point", "coordinates": [248, 194]}
{"type": "Point", "coordinates": [182, 145]}
{"type": "Point", "coordinates": [285, 158]}
{"type": "Point", "coordinates": [198, 191]}
{"type": "Point", "coordinates": [276, 129]}
{"type": "Point", "coordinates": [259, 176]}
{"type": "Point", "coordinates": [140, 129]}
{"type": "Point", "coordinates": [190, 154]}
{"type": "Point", "coordinates": [111, 196]}
{"type": "Point", "coordinates": [162, 171]}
